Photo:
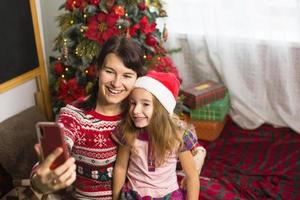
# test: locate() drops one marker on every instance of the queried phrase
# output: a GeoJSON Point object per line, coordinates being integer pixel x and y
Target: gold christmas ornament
{"type": "Point", "coordinates": [161, 42]}
{"type": "Point", "coordinates": [162, 13]}
{"type": "Point", "coordinates": [154, 3]}
{"type": "Point", "coordinates": [150, 3]}
{"type": "Point", "coordinates": [147, 2]}
{"type": "Point", "coordinates": [89, 87]}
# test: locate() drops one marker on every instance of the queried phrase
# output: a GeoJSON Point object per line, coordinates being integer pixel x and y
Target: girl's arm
{"type": "Point", "coordinates": [192, 177]}
{"type": "Point", "coordinates": [120, 169]}
{"type": "Point", "coordinates": [199, 154]}
{"type": "Point", "coordinates": [190, 141]}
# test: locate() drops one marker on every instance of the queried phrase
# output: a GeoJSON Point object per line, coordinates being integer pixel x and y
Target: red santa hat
{"type": "Point", "coordinates": [164, 86]}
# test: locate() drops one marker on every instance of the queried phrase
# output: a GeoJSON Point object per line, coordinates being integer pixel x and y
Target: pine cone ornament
{"type": "Point", "coordinates": [165, 33]}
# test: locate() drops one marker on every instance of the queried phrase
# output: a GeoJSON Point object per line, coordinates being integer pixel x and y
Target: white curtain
{"type": "Point", "coordinates": [252, 46]}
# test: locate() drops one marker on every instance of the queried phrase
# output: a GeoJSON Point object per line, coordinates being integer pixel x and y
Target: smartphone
{"type": "Point", "coordinates": [51, 136]}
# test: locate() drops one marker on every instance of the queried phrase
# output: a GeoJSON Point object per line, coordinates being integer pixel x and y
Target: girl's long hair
{"type": "Point", "coordinates": [128, 50]}
{"type": "Point", "coordinates": [162, 130]}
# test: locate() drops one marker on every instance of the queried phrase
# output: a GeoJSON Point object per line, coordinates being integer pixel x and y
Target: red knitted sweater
{"type": "Point", "coordinates": [88, 135]}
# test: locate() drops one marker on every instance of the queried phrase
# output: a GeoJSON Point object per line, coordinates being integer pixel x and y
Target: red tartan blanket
{"type": "Point", "coordinates": [252, 164]}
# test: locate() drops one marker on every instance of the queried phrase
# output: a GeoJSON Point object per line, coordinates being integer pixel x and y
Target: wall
{"type": "Point", "coordinates": [49, 10]}
{"type": "Point", "coordinates": [22, 96]}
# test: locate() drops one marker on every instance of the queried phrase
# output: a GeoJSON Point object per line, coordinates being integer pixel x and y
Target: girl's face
{"type": "Point", "coordinates": [115, 80]}
{"type": "Point", "coordinates": [141, 107]}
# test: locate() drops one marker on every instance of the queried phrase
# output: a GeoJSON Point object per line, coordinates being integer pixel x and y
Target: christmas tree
{"type": "Point", "coordinates": [85, 26]}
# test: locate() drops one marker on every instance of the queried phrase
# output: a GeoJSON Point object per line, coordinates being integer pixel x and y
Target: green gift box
{"type": "Point", "coordinates": [214, 111]}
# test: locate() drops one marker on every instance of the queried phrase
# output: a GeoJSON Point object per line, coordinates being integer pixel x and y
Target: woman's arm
{"type": "Point", "coordinates": [45, 180]}
{"type": "Point", "coordinates": [120, 169]}
{"type": "Point", "coordinates": [192, 177]}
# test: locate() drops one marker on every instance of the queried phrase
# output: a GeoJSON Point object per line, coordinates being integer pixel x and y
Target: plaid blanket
{"type": "Point", "coordinates": [252, 164]}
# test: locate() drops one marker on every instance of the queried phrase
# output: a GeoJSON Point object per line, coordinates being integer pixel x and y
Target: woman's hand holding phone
{"type": "Point", "coordinates": [55, 171]}
{"type": "Point", "coordinates": [51, 136]}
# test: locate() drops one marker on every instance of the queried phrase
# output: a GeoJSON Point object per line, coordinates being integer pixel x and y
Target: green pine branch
{"type": "Point", "coordinates": [87, 50]}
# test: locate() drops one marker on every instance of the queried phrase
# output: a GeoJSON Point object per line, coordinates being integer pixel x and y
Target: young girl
{"type": "Point", "coordinates": [150, 142]}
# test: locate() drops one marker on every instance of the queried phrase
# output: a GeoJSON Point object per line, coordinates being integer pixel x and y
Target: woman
{"type": "Point", "coordinates": [88, 129]}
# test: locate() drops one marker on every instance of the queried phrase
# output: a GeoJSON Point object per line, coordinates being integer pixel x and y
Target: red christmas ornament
{"type": "Point", "coordinates": [149, 57]}
{"type": "Point", "coordinates": [72, 84]}
{"type": "Point", "coordinates": [151, 40]}
{"type": "Point", "coordinates": [91, 71]}
{"type": "Point", "coordinates": [74, 4]}
{"type": "Point", "coordinates": [95, 2]}
{"type": "Point", "coordinates": [142, 6]}
{"type": "Point", "coordinates": [119, 10]}
{"type": "Point", "coordinates": [59, 68]}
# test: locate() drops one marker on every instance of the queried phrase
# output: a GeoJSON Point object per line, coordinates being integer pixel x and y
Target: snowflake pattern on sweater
{"type": "Point", "coordinates": [88, 135]}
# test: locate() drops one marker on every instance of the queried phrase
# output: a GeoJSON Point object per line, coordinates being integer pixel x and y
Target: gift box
{"type": "Point", "coordinates": [208, 130]}
{"type": "Point", "coordinates": [216, 110]}
{"type": "Point", "coordinates": [203, 93]}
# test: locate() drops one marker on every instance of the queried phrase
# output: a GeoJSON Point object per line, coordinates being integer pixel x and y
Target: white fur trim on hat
{"type": "Point", "coordinates": [159, 90]}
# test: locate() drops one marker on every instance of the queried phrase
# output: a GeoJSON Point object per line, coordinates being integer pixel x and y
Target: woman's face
{"type": "Point", "coordinates": [115, 80]}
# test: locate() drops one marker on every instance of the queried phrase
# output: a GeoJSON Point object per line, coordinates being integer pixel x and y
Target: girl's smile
{"type": "Point", "coordinates": [141, 107]}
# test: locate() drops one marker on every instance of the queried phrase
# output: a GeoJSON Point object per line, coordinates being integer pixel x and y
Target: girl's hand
{"type": "Point", "coordinates": [183, 183]}
{"type": "Point", "coordinates": [191, 175]}
{"type": "Point", "coordinates": [46, 180]}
